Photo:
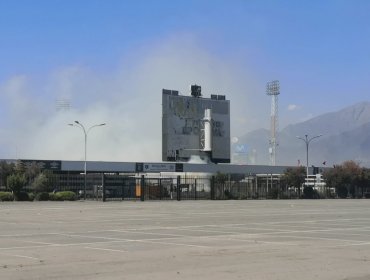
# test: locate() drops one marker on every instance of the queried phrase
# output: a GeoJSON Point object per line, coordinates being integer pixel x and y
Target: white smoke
{"type": "Point", "coordinates": [127, 99]}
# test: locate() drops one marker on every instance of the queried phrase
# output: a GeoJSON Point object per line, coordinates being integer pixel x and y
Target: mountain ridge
{"type": "Point", "coordinates": [345, 136]}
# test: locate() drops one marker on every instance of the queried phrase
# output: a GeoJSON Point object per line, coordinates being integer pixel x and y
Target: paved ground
{"type": "Point", "coordinates": [282, 239]}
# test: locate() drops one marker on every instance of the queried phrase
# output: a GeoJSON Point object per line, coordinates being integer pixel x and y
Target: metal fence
{"type": "Point", "coordinates": [106, 187]}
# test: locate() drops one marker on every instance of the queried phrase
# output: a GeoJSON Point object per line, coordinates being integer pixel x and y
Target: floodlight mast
{"type": "Point", "coordinates": [273, 90]}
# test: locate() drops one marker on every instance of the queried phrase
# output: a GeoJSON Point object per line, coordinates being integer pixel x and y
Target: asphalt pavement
{"type": "Point", "coordinates": [245, 239]}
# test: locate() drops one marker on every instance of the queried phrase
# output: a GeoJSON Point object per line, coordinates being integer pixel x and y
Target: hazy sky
{"type": "Point", "coordinates": [111, 59]}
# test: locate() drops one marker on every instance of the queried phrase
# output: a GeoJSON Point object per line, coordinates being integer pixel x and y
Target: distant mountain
{"type": "Point", "coordinates": [346, 136]}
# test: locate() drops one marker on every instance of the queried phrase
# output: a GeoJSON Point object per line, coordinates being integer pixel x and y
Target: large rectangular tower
{"type": "Point", "coordinates": [195, 126]}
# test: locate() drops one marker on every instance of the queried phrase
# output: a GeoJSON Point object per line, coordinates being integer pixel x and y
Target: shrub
{"type": "Point", "coordinates": [284, 196]}
{"type": "Point", "coordinates": [273, 193]}
{"type": "Point", "coordinates": [16, 182]}
{"type": "Point", "coordinates": [65, 195]}
{"type": "Point", "coordinates": [6, 196]}
{"type": "Point", "coordinates": [310, 193]}
{"type": "Point", "coordinates": [43, 196]}
{"type": "Point", "coordinates": [22, 196]}
{"type": "Point", "coordinates": [255, 195]}
{"type": "Point", "coordinates": [53, 197]}
{"type": "Point", "coordinates": [229, 195]}
{"type": "Point", "coordinates": [342, 191]}
{"type": "Point", "coordinates": [31, 196]}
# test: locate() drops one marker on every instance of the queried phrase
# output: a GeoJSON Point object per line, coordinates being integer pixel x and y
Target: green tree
{"type": "Point", "coordinates": [19, 167]}
{"type": "Point", "coordinates": [5, 170]}
{"type": "Point", "coordinates": [332, 179]}
{"type": "Point", "coordinates": [294, 177]}
{"type": "Point", "coordinates": [40, 183]}
{"type": "Point", "coordinates": [310, 193]}
{"type": "Point", "coordinates": [220, 183]}
{"type": "Point", "coordinates": [43, 182]}
{"type": "Point", "coordinates": [220, 178]}
{"type": "Point", "coordinates": [32, 171]}
{"type": "Point", "coordinates": [352, 172]}
{"type": "Point", "coordinates": [16, 182]}
{"type": "Point", "coordinates": [346, 178]}
{"type": "Point", "coordinates": [364, 181]}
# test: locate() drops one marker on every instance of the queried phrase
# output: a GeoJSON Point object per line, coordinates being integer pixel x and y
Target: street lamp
{"type": "Point", "coordinates": [307, 140]}
{"type": "Point", "coordinates": [86, 132]}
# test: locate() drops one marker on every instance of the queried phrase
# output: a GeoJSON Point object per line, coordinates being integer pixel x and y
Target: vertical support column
{"type": "Point", "coordinates": [103, 187]}
{"type": "Point", "coordinates": [213, 187]}
{"type": "Point", "coordinates": [67, 181]}
{"type": "Point", "coordinates": [142, 187]}
{"type": "Point", "coordinates": [123, 188]}
{"type": "Point", "coordinates": [228, 183]}
{"type": "Point", "coordinates": [160, 188]}
{"type": "Point", "coordinates": [195, 188]}
{"type": "Point", "coordinates": [178, 188]}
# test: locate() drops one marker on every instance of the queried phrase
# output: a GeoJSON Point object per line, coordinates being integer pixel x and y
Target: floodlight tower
{"type": "Point", "coordinates": [273, 90]}
{"type": "Point", "coordinates": [63, 104]}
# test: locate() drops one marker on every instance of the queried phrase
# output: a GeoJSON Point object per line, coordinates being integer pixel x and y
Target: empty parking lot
{"type": "Point", "coordinates": [265, 239]}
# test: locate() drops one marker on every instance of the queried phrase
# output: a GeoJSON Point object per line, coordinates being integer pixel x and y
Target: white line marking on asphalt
{"type": "Point", "coordinates": [106, 249]}
{"type": "Point", "coordinates": [143, 240]}
{"type": "Point", "coordinates": [172, 243]}
{"type": "Point", "coordinates": [346, 245]}
{"type": "Point", "coordinates": [149, 233]}
{"type": "Point", "coordinates": [323, 238]}
{"type": "Point", "coordinates": [20, 256]}
{"type": "Point", "coordinates": [264, 242]}
{"type": "Point", "coordinates": [38, 242]}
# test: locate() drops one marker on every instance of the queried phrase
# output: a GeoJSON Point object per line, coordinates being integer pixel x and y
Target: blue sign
{"type": "Point", "coordinates": [241, 149]}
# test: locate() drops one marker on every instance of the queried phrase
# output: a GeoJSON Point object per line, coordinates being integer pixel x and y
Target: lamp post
{"type": "Point", "coordinates": [86, 132]}
{"type": "Point", "coordinates": [307, 140]}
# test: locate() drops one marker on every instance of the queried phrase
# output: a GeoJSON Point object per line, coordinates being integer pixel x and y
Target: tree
{"type": "Point", "coordinates": [364, 181]}
{"type": "Point", "coordinates": [345, 178]}
{"type": "Point", "coordinates": [19, 167]}
{"type": "Point", "coordinates": [332, 178]}
{"type": "Point", "coordinates": [32, 171]}
{"type": "Point", "coordinates": [5, 170]}
{"type": "Point", "coordinates": [352, 172]}
{"type": "Point", "coordinates": [220, 182]}
{"type": "Point", "coordinates": [310, 193]}
{"type": "Point", "coordinates": [43, 181]}
{"type": "Point", "coordinates": [40, 183]}
{"type": "Point", "coordinates": [220, 178]}
{"type": "Point", "coordinates": [16, 182]}
{"type": "Point", "coordinates": [294, 177]}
